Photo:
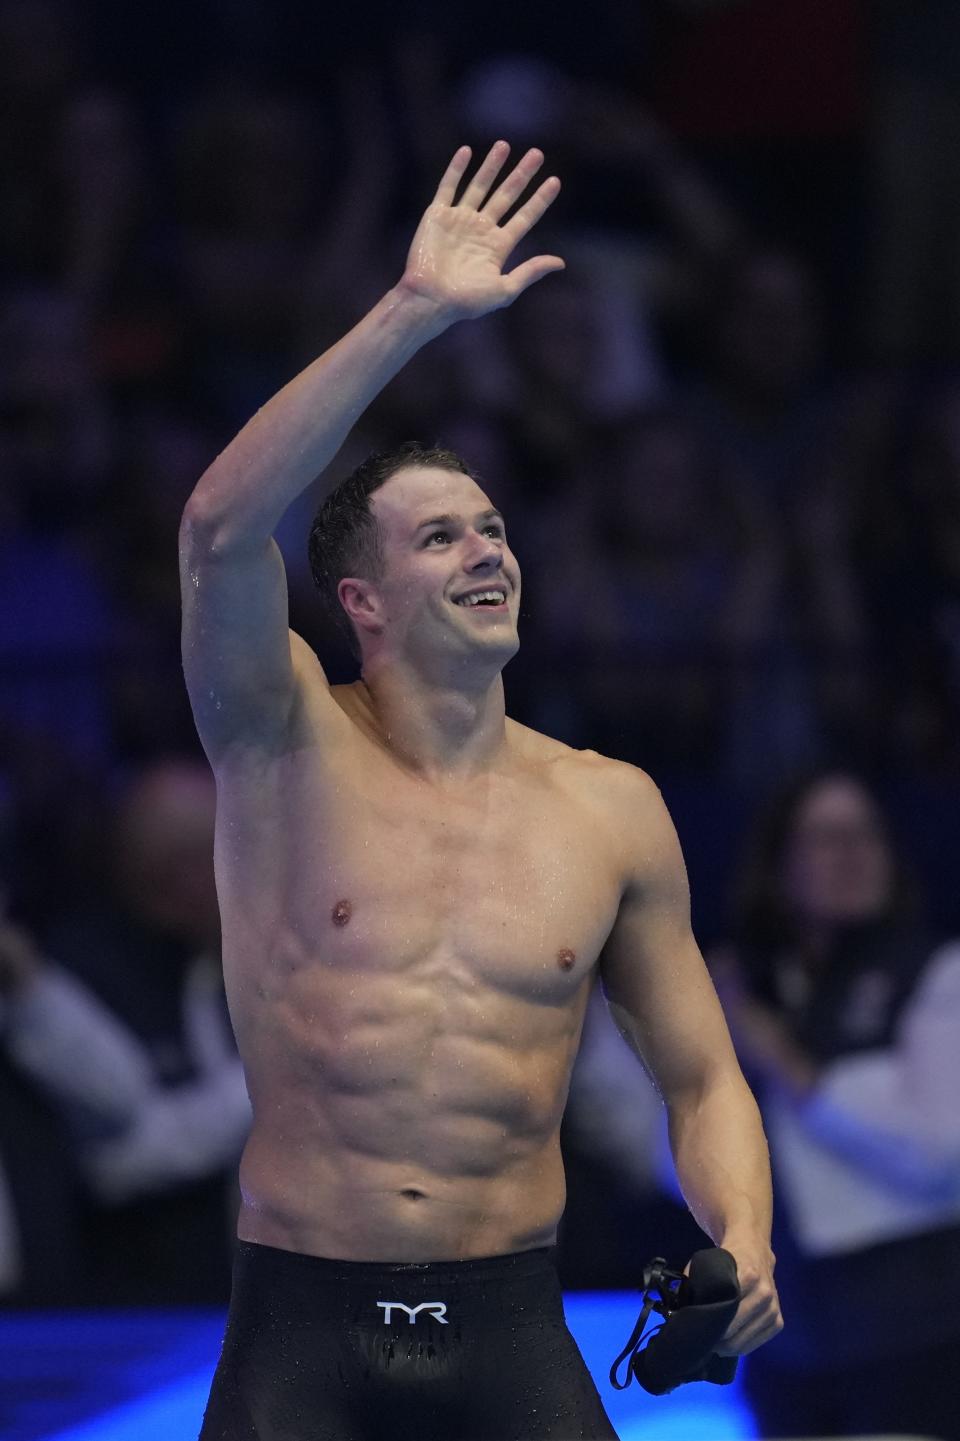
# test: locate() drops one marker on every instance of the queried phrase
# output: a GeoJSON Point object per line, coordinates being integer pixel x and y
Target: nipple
{"type": "Point", "coordinates": [341, 913]}
{"type": "Point", "coordinates": [566, 959]}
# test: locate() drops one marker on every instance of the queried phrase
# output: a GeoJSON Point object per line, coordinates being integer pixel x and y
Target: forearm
{"type": "Point", "coordinates": [722, 1161]}
{"type": "Point", "coordinates": [294, 437]}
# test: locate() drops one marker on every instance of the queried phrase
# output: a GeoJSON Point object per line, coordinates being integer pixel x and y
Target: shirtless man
{"type": "Point", "coordinates": [417, 894]}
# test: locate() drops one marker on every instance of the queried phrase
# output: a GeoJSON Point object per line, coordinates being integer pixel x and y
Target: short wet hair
{"type": "Point", "coordinates": [346, 538]}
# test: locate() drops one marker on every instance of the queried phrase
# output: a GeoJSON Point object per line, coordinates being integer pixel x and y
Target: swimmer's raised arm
{"type": "Point", "coordinates": [454, 271]}
{"type": "Point", "coordinates": [241, 662]}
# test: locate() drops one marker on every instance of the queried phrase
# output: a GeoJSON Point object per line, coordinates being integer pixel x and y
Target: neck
{"type": "Point", "coordinates": [437, 730]}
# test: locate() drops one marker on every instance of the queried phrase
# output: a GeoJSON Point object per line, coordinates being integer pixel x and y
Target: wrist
{"type": "Point", "coordinates": [747, 1241]}
{"type": "Point", "coordinates": [746, 1225]}
{"type": "Point", "coordinates": [423, 315]}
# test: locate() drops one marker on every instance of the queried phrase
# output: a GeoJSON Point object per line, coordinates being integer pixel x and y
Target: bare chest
{"type": "Point", "coordinates": [510, 885]}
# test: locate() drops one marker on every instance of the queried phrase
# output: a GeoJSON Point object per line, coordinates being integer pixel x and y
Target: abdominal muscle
{"type": "Point", "coordinates": [405, 1139]}
{"type": "Point", "coordinates": [356, 1209]}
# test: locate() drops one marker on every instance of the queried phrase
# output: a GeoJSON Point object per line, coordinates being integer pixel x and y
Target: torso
{"type": "Point", "coordinates": [408, 971]}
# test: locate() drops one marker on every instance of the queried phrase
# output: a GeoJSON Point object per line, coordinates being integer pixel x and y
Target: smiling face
{"type": "Point", "coordinates": [442, 540]}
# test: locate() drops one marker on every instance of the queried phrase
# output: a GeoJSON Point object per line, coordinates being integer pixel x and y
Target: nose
{"type": "Point", "coordinates": [485, 553]}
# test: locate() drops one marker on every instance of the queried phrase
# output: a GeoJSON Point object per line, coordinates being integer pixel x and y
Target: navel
{"type": "Point", "coordinates": [341, 913]}
{"type": "Point", "coordinates": [566, 959]}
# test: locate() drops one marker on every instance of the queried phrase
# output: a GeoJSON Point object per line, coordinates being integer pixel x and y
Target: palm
{"type": "Point", "coordinates": [459, 254]}
{"type": "Point", "coordinates": [459, 251]}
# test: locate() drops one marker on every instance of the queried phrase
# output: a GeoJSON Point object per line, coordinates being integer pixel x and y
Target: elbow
{"type": "Point", "coordinates": [707, 1086]}
{"type": "Point", "coordinates": [213, 500]}
{"type": "Point", "coordinates": [196, 529]}
{"type": "Point", "coordinates": [198, 524]}
{"type": "Point", "coordinates": [203, 533]}
{"type": "Point", "coordinates": [213, 527]}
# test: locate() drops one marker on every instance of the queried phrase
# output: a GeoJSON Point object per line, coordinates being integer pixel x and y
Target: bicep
{"type": "Point", "coordinates": [238, 650]}
{"type": "Point", "coordinates": [655, 980]}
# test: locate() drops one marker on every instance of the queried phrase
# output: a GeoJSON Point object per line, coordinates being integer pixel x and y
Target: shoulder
{"type": "Point", "coordinates": [629, 797]}
{"type": "Point", "coordinates": [610, 781]}
{"type": "Point", "coordinates": [624, 799]}
{"type": "Point", "coordinates": [624, 791]}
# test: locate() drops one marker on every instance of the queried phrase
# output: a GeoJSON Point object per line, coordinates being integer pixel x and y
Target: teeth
{"type": "Point", "coordinates": [495, 595]}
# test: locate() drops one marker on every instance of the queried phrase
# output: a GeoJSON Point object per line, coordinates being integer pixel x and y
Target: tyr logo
{"type": "Point", "coordinates": [436, 1308]}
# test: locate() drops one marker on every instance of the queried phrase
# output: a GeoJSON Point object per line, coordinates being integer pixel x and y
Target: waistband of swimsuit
{"type": "Point", "coordinates": [489, 1290]}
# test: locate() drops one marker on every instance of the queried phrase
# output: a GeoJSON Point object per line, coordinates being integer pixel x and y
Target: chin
{"type": "Point", "coordinates": [502, 648]}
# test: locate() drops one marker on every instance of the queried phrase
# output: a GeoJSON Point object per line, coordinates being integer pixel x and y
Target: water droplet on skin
{"type": "Point", "coordinates": [341, 913]}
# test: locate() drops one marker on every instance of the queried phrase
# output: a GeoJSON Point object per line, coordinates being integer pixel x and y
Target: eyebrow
{"type": "Point", "coordinates": [455, 519]}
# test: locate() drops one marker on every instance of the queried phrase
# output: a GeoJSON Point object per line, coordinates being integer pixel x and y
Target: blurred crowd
{"type": "Point", "coordinates": [726, 442]}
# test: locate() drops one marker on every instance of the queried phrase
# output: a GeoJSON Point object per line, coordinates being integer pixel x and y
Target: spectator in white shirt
{"type": "Point", "coordinates": [846, 1017]}
{"type": "Point", "coordinates": [126, 1028]}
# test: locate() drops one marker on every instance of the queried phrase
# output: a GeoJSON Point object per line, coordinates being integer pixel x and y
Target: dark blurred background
{"type": "Point", "coordinates": [726, 441]}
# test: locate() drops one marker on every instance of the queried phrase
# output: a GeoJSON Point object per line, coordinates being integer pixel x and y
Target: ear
{"type": "Point", "coordinates": [363, 604]}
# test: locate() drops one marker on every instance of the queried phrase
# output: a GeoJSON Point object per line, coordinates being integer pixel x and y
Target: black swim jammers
{"type": "Point", "coordinates": [327, 1350]}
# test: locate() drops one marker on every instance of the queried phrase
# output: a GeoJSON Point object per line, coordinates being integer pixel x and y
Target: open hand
{"type": "Point", "coordinates": [460, 248]}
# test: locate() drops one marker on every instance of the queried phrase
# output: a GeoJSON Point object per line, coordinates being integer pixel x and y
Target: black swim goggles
{"type": "Point", "coordinates": [696, 1310]}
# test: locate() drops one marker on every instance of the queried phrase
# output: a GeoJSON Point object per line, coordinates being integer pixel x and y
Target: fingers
{"type": "Point", "coordinates": [447, 189]}
{"type": "Point", "coordinates": [527, 274]}
{"type": "Point", "coordinates": [479, 187]}
{"type": "Point", "coordinates": [528, 214]}
{"type": "Point", "coordinates": [514, 185]}
{"type": "Point", "coordinates": [749, 1337]}
{"type": "Point", "coordinates": [499, 202]}
{"type": "Point", "coordinates": [757, 1321]}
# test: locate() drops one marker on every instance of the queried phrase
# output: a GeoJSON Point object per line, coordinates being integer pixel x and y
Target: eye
{"type": "Point", "coordinates": [496, 530]}
{"type": "Point", "coordinates": [431, 538]}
